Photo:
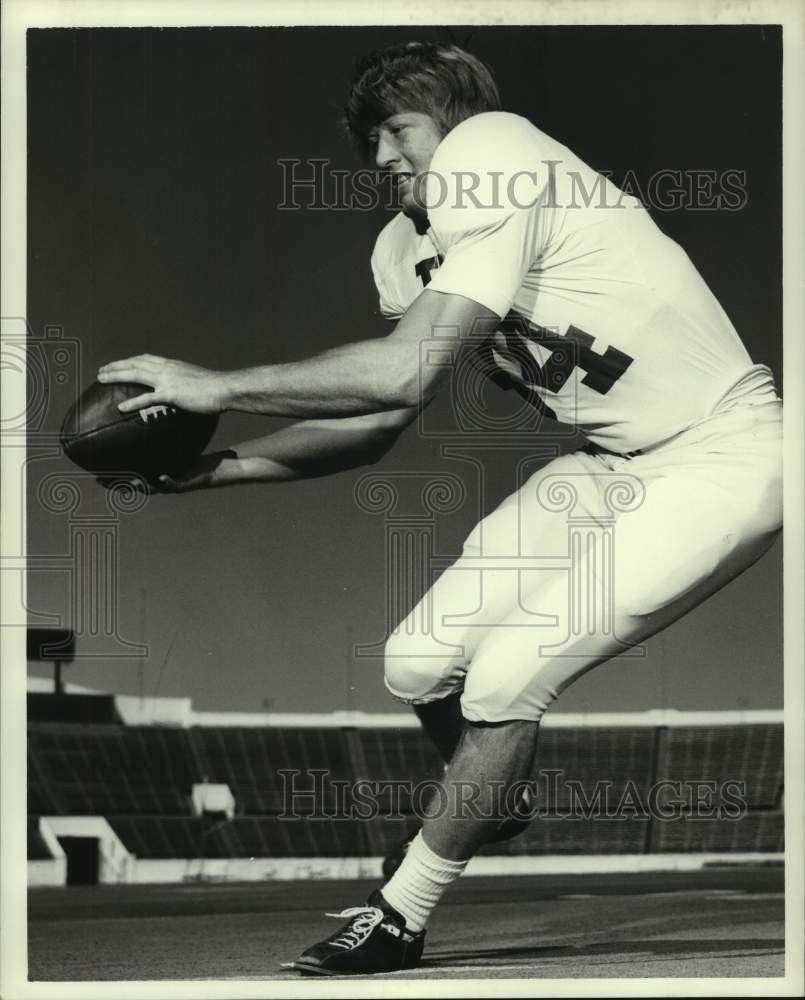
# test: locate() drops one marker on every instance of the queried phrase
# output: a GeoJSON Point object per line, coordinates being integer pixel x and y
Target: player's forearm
{"type": "Point", "coordinates": [310, 449]}
{"type": "Point", "coordinates": [366, 377]}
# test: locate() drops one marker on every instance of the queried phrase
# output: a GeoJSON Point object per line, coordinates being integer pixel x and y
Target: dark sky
{"type": "Point", "coordinates": [153, 226]}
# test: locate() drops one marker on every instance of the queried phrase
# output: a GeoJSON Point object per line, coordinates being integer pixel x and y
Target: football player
{"type": "Point", "coordinates": [599, 320]}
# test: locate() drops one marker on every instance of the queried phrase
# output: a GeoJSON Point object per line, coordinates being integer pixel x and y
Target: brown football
{"type": "Point", "coordinates": [155, 440]}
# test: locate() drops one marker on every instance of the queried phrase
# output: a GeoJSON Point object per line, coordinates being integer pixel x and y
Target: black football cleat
{"type": "Point", "coordinates": [512, 826]}
{"type": "Point", "coordinates": [374, 939]}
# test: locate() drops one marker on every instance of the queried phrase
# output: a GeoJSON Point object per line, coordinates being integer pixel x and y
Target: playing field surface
{"type": "Point", "coordinates": [716, 922]}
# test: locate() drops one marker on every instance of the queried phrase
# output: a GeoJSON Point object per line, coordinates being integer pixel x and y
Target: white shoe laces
{"type": "Point", "coordinates": [366, 918]}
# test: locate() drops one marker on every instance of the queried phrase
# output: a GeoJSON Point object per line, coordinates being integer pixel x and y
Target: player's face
{"type": "Point", "coordinates": [404, 145]}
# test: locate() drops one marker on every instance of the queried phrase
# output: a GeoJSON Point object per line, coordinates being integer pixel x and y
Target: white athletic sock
{"type": "Point", "coordinates": [417, 885]}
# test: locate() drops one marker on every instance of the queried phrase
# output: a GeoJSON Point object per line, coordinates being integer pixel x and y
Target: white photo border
{"type": "Point", "coordinates": [17, 17]}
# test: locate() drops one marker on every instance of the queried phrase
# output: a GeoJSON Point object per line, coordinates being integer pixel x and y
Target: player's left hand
{"type": "Point", "coordinates": [176, 383]}
{"type": "Point", "coordinates": [217, 468]}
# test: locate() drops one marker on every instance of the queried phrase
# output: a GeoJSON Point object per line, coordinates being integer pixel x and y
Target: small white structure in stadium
{"type": "Point", "coordinates": [209, 798]}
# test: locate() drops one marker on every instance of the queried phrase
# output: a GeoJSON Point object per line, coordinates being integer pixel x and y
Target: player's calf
{"type": "Point", "coordinates": [506, 828]}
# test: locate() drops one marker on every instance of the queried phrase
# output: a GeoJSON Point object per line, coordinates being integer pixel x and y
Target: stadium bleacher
{"type": "Point", "coordinates": [96, 769]}
{"type": "Point", "coordinates": [241, 837]}
{"type": "Point", "coordinates": [140, 778]}
{"type": "Point", "coordinates": [252, 762]}
{"type": "Point", "coordinates": [759, 831]}
{"type": "Point", "coordinates": [752, 754]}
{"type": "Point", "coordinates": [554, 834]}
{"type": "Point", "coordinates": [593, 756]}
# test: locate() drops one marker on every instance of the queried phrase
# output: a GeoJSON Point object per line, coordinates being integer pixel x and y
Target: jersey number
{"type": "Point", "coordinates": [424, 267]}
{"type": "Point", "coordinates": [574, 350]}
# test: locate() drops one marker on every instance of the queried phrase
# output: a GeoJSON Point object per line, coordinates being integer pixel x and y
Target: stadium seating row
{"type": "Point", "coordinates": [262, 837]}
{"type": "Point", "coordinates": [111, 769]}
{"type": "Point", "coordinates": [595, 785]}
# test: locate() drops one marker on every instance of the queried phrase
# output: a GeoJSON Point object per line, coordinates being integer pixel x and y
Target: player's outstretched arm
{"type": "Point", "coordinates": [360, 378]}
{"type": "Point", "coordinates": [305, 450]}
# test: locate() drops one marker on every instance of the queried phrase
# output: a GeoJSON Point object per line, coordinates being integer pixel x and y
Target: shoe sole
{"type": "Point", "coordinates": [312, 970]}
{"type": "Point", "coordinates": [317, 970]}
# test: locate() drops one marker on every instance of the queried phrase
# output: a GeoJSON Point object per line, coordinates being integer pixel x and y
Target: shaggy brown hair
{"type": "Point", "coordinates": [442, 81]}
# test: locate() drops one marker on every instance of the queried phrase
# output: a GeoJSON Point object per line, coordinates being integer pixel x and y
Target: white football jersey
{"type": "Point", "coordinates": [606, 323]}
